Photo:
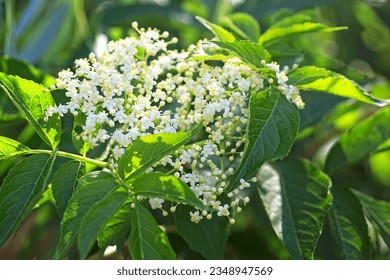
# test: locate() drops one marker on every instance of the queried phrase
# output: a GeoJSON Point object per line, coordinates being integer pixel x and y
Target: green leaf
{"type": "Point", "coordinates": [64, 183]}
{"type": "Point", "coordinates": [147, 240]}
{"type": "Point", "coordinates": [93, 177]}
{"type": "Point", "coordinates": [321, 79]}
{"type": "Point", "coordinates": [147, 150]}
{"type": "Point", "coordinates": [47, 197]}
{"type": "Point", "coordinates": [217, 30]}
{"type": "Point", "coordinates": [116, 229]}
{"type": "Point", "coordinates": [244, 25]}
{"type": "Point", "coordinates": [217, 57]}
{"type": "Point", "coordinates": [348, 225]}
{"type": "Point", "coordinates": [21, 190]}
{"type": "Point", "coordinates": [359, 142]}
{"type": "Point", "coordinates": [297, 197]}
{"type": "Point", "coordinates": [208, 237]}
{"type": "Point", "coordinates": [378, 213]}
{"type": "Point", "coordinates": [25, 70]}
{"type": "Point", "coordinates": [22, 69]}
{"type": "Point", "coordinates": [272, 127]}
{"type": "Point", "coordinates": [157, 184]}
{"type": "Point", "coordinates": [10, 148]}
{"type": "Point", "coordinates": [292, 19]}
{"type": "Point", "coordinates": [380, 168]}
{"type": "Point", "coordinates": [94, 221]}
{"type": "Point", "coordinates": [81, 202]}
{"type": "Point", "coordinates": [248, 52]}
{"type": "Point", "coordinates": [277, 32]}
{"type": "Point", "coordinates": [32, 100]}
{"type": "Point", "coordinates": [381, 90]}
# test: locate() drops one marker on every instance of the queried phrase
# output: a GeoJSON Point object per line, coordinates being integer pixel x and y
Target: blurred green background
{"type": "Point", "coordinates": [50, 34]}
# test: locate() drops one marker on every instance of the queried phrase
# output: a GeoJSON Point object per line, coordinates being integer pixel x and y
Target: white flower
{"type": "Point", "coordinates": [223, 210]}
{"type": "Point", "coordinates": [156, 203]}
{"type": "Point", "coordinates": [195, 217]}
{"type": "Point", "coordinates": [207, 149]}
{"type": "Point", "coordinates": [117, 152]}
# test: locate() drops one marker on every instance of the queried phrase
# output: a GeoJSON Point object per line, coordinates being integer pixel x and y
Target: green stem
{"type": "Point", "coordinates": [171, 171]}
{"type": "Point", "coordinates": [200, 143]}
{"type": "Point", "coordinates": [72, 156]}
{"type": "Point", "coordinates": [8, 26]}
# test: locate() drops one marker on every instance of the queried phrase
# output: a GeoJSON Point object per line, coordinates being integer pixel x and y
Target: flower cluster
{"type": "Point", "coordinates": [138, 86]}
{"type": "Point", "coordinates": [290, 91]}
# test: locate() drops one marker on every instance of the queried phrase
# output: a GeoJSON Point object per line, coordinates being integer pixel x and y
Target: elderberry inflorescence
{"type": "Point", "coordinates": [138, 87]}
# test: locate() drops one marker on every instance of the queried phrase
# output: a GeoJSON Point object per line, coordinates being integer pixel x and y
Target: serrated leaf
{"type": "Point", "coordinates": [21, 190]}
{"type": "Point", "coordinates": [217, 30]}
{"type": "Point", "coordinates": [348, 225]}
{"type": "Point", "coordinates": [208, 237]}
{"type": "Point", "coordinates": [64, 183]}
{"type": "Point", "coordinates": [81, 202]}
{"type": "Point", "coordinates": [321, 79]}
{"type": "Point", "coordinates": [248, 52]}
{"type": "Point", "coordinates": [147, 240]}
{"type": "Point", "coordinates": [147, 150]}
{"type": "Point", "coordinates": [272, 127]}
{"type": "Point", "coordinates": [359, 142]}
{"type": "Point", "coordinates": [94, 221]}
{"type": "Point", "coordinates": [157, 184]}
{"type": "Point", "coordinates": [378, 213]}
{"type": "Point", "coordinates": [10, 148]}
{"type": "Point", "coordinates": [277, 32]}
{"type": "Point", "coordinates": [244, 25]}
{"type": "Point", "coordinates": [297, 197]}
{"type": "Point", "coordinates": [32, 100]}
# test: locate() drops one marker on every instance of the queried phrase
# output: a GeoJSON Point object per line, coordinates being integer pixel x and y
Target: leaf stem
{"type": "Point", "coordinates": [72, 156]}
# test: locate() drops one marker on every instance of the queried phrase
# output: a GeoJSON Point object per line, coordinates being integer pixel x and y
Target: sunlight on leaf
{"type": "Point", "coordinates": [321, 79]}
{"type": "Point", "coordinates": [157, 184]}
{"type": "Point", "coordinates": [217, 30]}
{"type": "Point", "coordinates": [10, 148]}
{"type": "Point", "coordinates": [32, 100]}
{"type": "Point", "coordinates": [274, 33]}
{"type": "Point", "coordinates": [147, 150]}
{"type": "Point", "coordinates": [297, 197]}
{"type": "Point", "coordinates": [359, 142]}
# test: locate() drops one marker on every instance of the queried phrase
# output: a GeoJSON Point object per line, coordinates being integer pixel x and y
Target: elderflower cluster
{"type": "Point", "coordinates": [138, 86]}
